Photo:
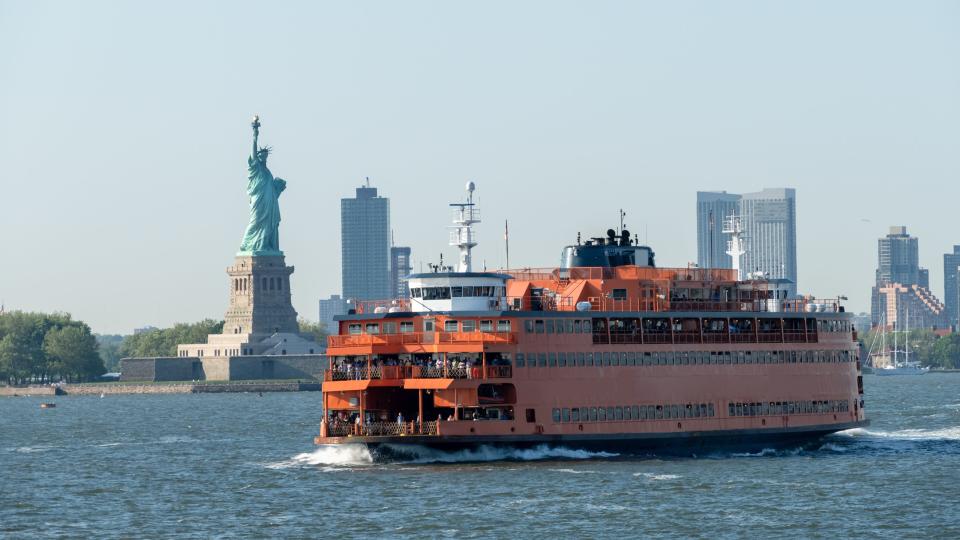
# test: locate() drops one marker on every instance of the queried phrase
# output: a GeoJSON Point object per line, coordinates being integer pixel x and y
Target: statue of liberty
{"type": "Point", "coordinates": [262, 236]}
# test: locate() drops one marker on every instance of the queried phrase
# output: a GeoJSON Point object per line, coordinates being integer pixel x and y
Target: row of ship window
{"type": "Point", "coordinates": [449, 325]}
{"type": "Point", "coordinates": [684, 358]}
{"type": "Point", "coordinates": [585, 326]}
{"type": "Point", "coordinates": [633, 412]}
{"type": "Point", "coordinates": [787, 407]}
{"type": "Point", "coordinates": [696, 410]}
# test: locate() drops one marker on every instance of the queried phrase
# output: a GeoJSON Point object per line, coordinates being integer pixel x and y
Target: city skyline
{"type": "Point", "coordinates": [635, 107]}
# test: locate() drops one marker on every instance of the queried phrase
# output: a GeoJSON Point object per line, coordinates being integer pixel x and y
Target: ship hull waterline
{"type": "Point", "coordinates": [692, 443]}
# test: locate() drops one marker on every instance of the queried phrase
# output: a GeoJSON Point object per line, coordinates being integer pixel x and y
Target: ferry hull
{"type": "Point", "coordinates": [691, 443]}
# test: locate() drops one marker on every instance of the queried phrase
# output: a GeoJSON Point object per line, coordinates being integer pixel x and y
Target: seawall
{"type": "Point", "coordinates": [162, 388]}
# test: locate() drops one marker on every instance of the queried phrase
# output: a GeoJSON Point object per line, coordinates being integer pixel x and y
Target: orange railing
{"type": "Point", "coordinates": [420, 338]}
{"type": "Point", "coordinates": [416, 372]}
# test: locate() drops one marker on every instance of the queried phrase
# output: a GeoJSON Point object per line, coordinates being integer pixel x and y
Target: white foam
{"type": "Point", "coordinates": [420, 454]}
{"type": "Point", "coordinates": [334, 456]}
{"type": "Point", "coordinates": [652, 476]}
{"type": "Point", "coordinates": [572, 471]}
{"type": "Point", "coordinates": [944, 434]}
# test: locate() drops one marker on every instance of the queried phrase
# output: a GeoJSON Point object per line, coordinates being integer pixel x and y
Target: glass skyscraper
{"type": "Point", "coordinates": [769, 220]}
{"type": "Point", "coordinates": [365, 245]}
{"type": "Point", "coordinates": [951, 279]}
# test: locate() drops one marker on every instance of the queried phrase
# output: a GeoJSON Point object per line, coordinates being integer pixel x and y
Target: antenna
{"type": "Point", "coordinates": [462, 235]}
{"type": "Point", "coordinates": [733, 225]}
{"type": "Point", "coordinates": [622, 215]}
{"type": "Point", "coordinates": [506, 239]}
{"type": "Point", "coordinates": [368, 181]}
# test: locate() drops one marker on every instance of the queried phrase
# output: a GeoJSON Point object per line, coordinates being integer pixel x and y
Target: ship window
{"type": "Point", "coordinates": [542, 360]}
{"type": "Point", "coordinates": [593, 414]}
{"type": "Point", "coordinates": [636, 412]}
{"type": "Point", "coordinates": [486, 326]}
{"type": "Point", "coordinates": [569, 324]}
{"type": "Point", "coordinates": [539, 325]}
{"type": "Point", "coordinates": [575, 414]}
{"type": "Point", "coordinates": [618, 413]}
{"type": "Point", "coordinates": [449, 326]}
{"type": "Point", "coordinates": [576, 326]}
{"type": "Point", "coordinates": [606, 358]}
{"type": "Point", "coordinates": [626, 414]}
{"type": "Point", "coordinates": [456, 292]}
{"type": "Point", "coordinates": [354, 329]}
{"type": "Point", "coordinates": [469, 326]}
{"type": "Point", "coordinates": [520, 360]}
{"type": "Point", "coordinates": [589, 359]}
{"type": "Point", "coordinates": [549, 326]}
{"type": "Point", "coordinates": [389, 328]}
{"type": "Point", "coordinates": [566, 415]}
{"type": "Point", "coordinates": [631, 359]}
{"type": "Point", "coordinates": [602, 414]}
{"type": "Point", "coordinates": [552, 359]}
{"type": "Point", "coordinates": [619, 294]}
{"type": "Point", "coordinates": [559, 326]}
{"type": "Point", "coordinates": [428, 326]}
{"type": "Point", "coordinates": [503, 326]}
{"type": "Point", "coordinates": [415, 292]}
{"type": "Point", "coordinates": [556, 415]}
{"type": "Point", "coordinates": [562, 359]}
{"type": "Point", "coordinates": [659, 412]}
{"type": "Point", "coordinates": [406, 327]}
{"type": "Point", "coordinates": [579, 359]}
{"type": "Point", "coordinates": [528, 326]}
{"type": "Point", "coordinates": [531, 415]}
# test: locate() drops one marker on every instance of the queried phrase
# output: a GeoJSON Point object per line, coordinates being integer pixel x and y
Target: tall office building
{"type": "Point", "coordinates": [330, 308]}
{"type": "Point", "coordinates": [898, 259]}
{"type": "Point", "coordinates": [400, 268]}
{"type": "Point", "coordinates": [769, 219]}
{"type": "Point", "coordinates": [899, 276]}
{"type": "Point", "coordinates": [365, 244]}
{"type": "Point", "coordinates": [951, 290]}
{"type": "Point", "coordinates": [712, 209]}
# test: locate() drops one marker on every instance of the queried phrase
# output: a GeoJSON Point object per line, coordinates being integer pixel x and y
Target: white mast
{"type": "Point", "coordinates": [462, 235]}
{"type": "Point", "coordinates": [733, 226]}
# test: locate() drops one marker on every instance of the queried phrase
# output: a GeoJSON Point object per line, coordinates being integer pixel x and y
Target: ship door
{"type": "Point", "coordinates": [428, 330]}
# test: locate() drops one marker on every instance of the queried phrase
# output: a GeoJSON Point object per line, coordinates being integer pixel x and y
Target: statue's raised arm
{"type": "Point", "coordinates": [256, 134]}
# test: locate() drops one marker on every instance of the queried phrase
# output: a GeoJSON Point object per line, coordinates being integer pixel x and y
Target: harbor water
{"type": "Point", "coordinates": [242, 465]}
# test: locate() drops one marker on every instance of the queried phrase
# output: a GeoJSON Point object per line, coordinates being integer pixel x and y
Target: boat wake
{"type": "Point", "coordinates": [422, 454]}
{"type": "Point", "coordinates": [343, 456]}
{"type": "Point", "coordinates": [902, 440]}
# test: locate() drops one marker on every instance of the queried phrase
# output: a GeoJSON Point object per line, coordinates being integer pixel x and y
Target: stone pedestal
{"type": "Point", "coordinates": [260, 297]}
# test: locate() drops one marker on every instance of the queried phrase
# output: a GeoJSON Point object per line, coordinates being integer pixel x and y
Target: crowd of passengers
{"type": "Point", "coordinates": [352, 418]}
{"type": "Point", "coordinates": [356, 368]}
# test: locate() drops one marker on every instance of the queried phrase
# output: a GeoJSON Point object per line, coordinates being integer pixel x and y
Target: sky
{"type": "Point", "coordinates": [125, 128]}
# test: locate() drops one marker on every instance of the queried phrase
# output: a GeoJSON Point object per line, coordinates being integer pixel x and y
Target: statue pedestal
{"type": "Point", "coordinates": [260, 297]}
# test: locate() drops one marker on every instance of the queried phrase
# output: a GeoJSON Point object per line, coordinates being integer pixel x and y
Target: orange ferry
{"type": "Point", "coordinates": [606, 352]}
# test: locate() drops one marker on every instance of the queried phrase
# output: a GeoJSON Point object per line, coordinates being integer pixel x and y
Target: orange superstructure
{"type": "Point", "coordinates": [681, 353]}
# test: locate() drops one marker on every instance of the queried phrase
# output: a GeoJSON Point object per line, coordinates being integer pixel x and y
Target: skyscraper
{"type": "Point", "coordinates": [898, 269]}
{"type": "Point", "coordinates": [769, 220]}
{"type": "Point", "coordinates": [951, 292]}
{"type": "Point", "coordinates": [365, 245]}
{"type": "Point", "coordinates": [712, 209]}
{"type": "Point", "coordinates": [330, 308]}
{"type": "Point", "coordinates": [898, 259]}
{"type": "Point", "coordinates": [399, 269]}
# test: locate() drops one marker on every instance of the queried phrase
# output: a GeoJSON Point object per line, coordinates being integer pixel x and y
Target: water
{"type": "Point", "coordinates": [228, 465]}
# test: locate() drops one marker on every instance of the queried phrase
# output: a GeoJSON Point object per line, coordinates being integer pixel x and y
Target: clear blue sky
{"type": "Point", "coordinates": [124, 132]}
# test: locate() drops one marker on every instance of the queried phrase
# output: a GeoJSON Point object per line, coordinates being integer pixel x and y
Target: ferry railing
{"type": "Point", "coordinates": [686, 337]}
{"type": "Point", "coordinates": [419, 338]}
{"type": "Point", "coordinates": [382, 306]}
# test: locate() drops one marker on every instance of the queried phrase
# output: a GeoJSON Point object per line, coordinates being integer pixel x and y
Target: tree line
{"type": "Point", "coordinates": [44, 347]}
{"type": "Point", "coordinates": [926, 347]}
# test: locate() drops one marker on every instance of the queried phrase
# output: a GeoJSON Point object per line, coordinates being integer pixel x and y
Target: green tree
{"type": "Point", "coordinates": [310, 329]}
{"type": "Point", "coordinates": [72, 352]}
{"type": "Point", "coordinates": [109, 347]}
